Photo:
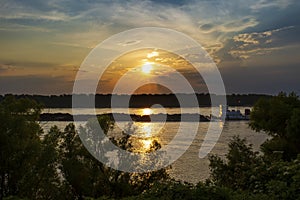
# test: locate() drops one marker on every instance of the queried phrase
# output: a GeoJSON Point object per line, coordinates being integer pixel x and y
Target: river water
{"type": "Point", "coordinates": [189, 167]}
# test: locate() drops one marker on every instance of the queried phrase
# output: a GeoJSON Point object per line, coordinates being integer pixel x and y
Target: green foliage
{"type": "Point", "coordinates": [279, 117]}
{"type": "Point", "coordinates": [24, 169]}
{"type": "Point", "coordinates": [79, 170]}
{"type": "Point", "coordinates": [272, 115]}
{"type": "Point", "coordinates": [249, 173]}
{"type": "Point", "coordinates": [84, 176]}
{"type": "Point", "coordinates": [279, 147]}
{"type": "Point", "coordinates": [293, 129]}
{"type": "Point", "coordinates": [177, 190]}
{"type": "Point", "coordinates": [58, 166]}
{"type": "Point", "coordinates": [28, 163]}
{"type": "Point", "coordinates": [236, 172]}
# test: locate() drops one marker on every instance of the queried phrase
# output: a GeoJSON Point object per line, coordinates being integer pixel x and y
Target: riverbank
{"type": "Point", "coordinates": [127, 117]}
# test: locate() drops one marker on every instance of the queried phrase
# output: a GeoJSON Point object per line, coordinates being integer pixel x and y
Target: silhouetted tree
{"type": "Point", "coordinates": [278, 117]}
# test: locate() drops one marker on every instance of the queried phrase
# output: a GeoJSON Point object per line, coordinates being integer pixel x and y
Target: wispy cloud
{"type": "Point", "coordinates": [229, 26]}
{"type": "Point", "coordinates": [99, 19]}
{"type": "Point", "coordinates": [76, 45]}
{"type": "Point", "coordinates": [51, 10]}
{"type": "Point", "coordinates": [6, 67]}
{"type": "Point", "coordinates": [256, 43]}
{"type": "Point", "coordinates": [21, 27]}
{"type": "Point", "coordinates": [271, 3]}
{"type": "Point", "coordinates": [129, 42]}
{"type": "Point", "coordinates": [245, 54]}
{"type": "Point", "coordinates": [256, 38]}
{"type": "Point", "coordinates": [49, 16]}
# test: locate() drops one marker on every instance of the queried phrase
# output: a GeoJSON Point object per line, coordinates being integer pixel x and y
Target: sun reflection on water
{"type": "Point", "coordinates": [147, 136]}
{"type": "Point", "coordinates": [147, 111]}
{"type": "Point", "coordinates": [147, 130]}
{"type": "Point", "coordinates": [146, 144]}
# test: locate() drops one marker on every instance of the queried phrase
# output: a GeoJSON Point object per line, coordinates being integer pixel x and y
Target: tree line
{"type": "Point", "coordinates": [137, 101]}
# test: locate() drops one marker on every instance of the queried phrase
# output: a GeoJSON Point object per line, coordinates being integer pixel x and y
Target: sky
{"type": "Point", "coordinates": [148, 65]}
{"type": "Point", "coordinates": [255, 44]}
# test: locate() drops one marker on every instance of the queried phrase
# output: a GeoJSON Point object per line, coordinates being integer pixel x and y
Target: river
{"type": "Point", "coordinates": [189, 167]}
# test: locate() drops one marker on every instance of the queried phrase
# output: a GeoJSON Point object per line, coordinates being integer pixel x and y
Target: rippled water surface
{"type": "Point", "coordinates": [189, 167]}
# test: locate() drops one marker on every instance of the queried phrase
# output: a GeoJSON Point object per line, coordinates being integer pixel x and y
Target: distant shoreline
{"type": "Point", "coordinates": [127, 117]}
{"type": "Point", "coordinates": [131, 117]}
{"type": "Point", "coordinates": [140, 101]}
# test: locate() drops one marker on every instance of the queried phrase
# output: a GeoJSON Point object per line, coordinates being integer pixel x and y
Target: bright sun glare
{"type": "Point", "coordinates": [147, 111]}
{"type": "Point", "coordinates": [147, 68]}
{"type": "Point", "coordinates": [147, 144]}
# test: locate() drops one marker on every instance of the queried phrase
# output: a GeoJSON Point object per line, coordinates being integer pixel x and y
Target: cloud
{"type": "Point", "coordinates": [76, 45]}
{"type": "Point", "coordinates": [12, 10]}
{"type": "Point", "coordinates": [143, 13]}
{"type": "Point", "coordinates": [271, 3]}
{"type": "Point", "coordinates": [257, 38]}
{"type": "Point", "coordinates": [207, 28]}
{"type": "Point", "coordinates": [21, 27]}
{"type": "Point", "coordinates": [86, 23]}
{"type": "Point", "coordinates": [257, 43]}
{"type": "Point", "coordinates": [152, 54]}
{"type": "Point", "coordinates": [245, 54]}
{"type": "Point", "coordinates": [49, 16]}
{"type": "Point", "coordinates": [62, 32]}
{"type": "Point", "coordinates": [7, 67]}
{"type": "Point", "coordinates": [230, 26]}
{"type": "Point", "coordinates": [129, 43]}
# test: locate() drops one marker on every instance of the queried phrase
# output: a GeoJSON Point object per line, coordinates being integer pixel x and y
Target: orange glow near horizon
{"type": "Point", "coordinates": [145, 63]}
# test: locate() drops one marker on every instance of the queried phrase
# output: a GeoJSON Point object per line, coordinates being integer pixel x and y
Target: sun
{"type": "Point", "coordinates": [147, 68]}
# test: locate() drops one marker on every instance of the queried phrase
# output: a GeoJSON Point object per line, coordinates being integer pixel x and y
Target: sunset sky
{"type": "Point", "coordinates": [152, 65]}
{"type": "Point", "coordinates": [255, 43]}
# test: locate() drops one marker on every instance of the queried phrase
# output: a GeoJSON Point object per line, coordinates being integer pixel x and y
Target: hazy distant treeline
{"type": "Point", "coordinates": [138, 101]}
